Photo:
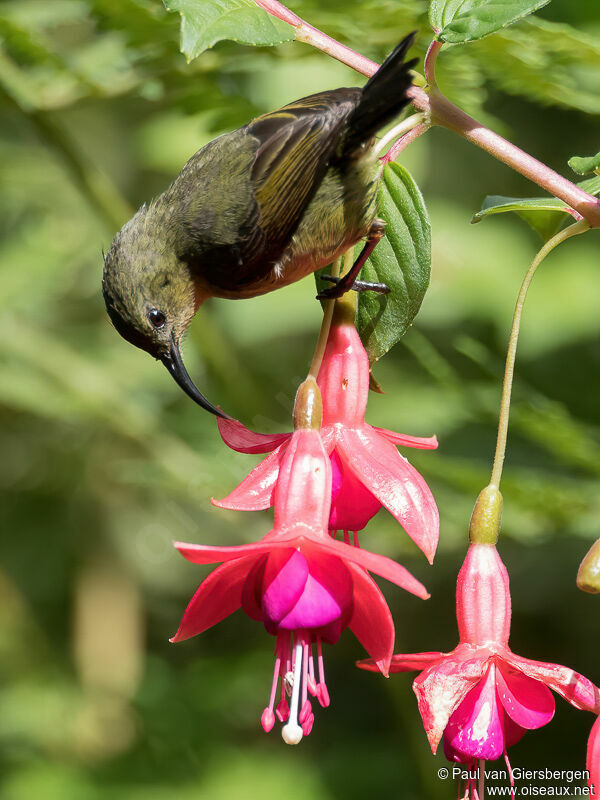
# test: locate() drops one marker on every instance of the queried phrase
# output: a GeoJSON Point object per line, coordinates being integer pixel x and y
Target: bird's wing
{"type": "Point", "coordinates": [243, 195]}
{"type": "Point", "coordinates": [296, 144]}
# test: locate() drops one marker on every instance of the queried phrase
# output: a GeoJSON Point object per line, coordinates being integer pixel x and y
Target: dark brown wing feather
{"type": "Point", "coordinates": [296, 145]}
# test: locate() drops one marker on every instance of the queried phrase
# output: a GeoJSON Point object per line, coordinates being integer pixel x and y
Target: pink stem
{"type": "Point", "coordinates": [313, 36]}
{"type": "Point", "coordinates": [404, 141]}
{"type": "Point", "coordinates": [446, 114]}
{"type": "Point", "coordinates": [430, 59]}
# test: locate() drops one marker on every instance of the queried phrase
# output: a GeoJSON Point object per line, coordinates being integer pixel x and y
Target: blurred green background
{"type": "Point", "coordinates": [104, 462]}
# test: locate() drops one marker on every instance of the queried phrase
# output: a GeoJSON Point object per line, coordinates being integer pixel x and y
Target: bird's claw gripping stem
{"type": "Point", "coordinates": [357, 286]}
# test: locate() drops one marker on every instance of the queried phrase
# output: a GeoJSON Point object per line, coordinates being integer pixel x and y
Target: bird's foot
{"type": "Point", "coordinates": [339, 288]}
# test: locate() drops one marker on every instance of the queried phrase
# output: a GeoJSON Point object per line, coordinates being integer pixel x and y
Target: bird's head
{"type": "Point", "coordinates": [151, 298]}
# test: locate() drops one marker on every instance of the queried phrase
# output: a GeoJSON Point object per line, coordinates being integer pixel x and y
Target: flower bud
{"type": "Point", "coordinates": [486, 517]}
{"type": "Point", "coordinates": [588, 576]}
{"type": "Point", "coordinates": [308, 408]}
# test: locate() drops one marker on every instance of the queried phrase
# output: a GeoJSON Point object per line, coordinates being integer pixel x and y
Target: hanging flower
{"type": "Point", "coordinates": [481, 698]}
{"type": "Point", "coordinates": [367, 470]}
{"type": "Point", "coordinates": [303, 585]}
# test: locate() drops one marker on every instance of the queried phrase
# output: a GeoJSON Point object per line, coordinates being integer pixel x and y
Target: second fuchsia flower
{"type": "Point", "coordinates": [303, 585]}
{"type": "Point", "coordinates": [482, 698]}
{"type": "Point", "coordinates": [367, 470]}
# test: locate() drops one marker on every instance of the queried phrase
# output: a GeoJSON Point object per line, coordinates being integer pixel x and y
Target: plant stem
{"type": "Point", "coordinates": [447, 115]}
{"type": "Point", "coordinates": [561, 236]}
{"type": "Point", "coordinates": [315, 364]}
{"type": "Point", "coordinates": [430, 59]}
{"type": "Point", "coordinates": [399, 130]}
{"type": "Point", "coordinates": [310, 35]}
{"type": "Point", "coordinates": [403, 142]}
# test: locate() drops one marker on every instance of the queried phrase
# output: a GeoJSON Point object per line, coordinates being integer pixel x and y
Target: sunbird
{"type": "Point", "coordinates": [255, 210]}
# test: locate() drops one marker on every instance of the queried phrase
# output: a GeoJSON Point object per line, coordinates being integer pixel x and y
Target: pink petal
{"type": "Point", "coordinates": [513, 733]}
{"type": "Point", "coordinates": [454, 755]}
{"type": "Point", "coordinates": [576, 688]}
{"type": "Point", "coordinates": [316, 608]}
{"type": "Point", "coordinates": [404, 662]}
{"type": "Point", "coordinates": [251, 594]}
{"type": "Point", "coordinates": [592, 762]}
{"type": "Point", "coordinates": [380, 565]}
{"type": "Point", "coordinates": [403, 440]}
{"type": "Point", "coordinates": [352, 505]}
{"type": "Point", "coordinates": [207, 554]}
{"type": "Point", "coordinates": [238, 437]}
{"type": "Point", "coordinates": [310, 590]}
{"type": "Point", "coordinates": [476, 727]}
{"type": "Point", "coordinates": [442, 687]}
{"type": "Point", "coordinates": [218, 596]}
{"type": "Point", "coordinates": [372, 622]}
{"type": "Point", "coordinates": [255, 492]}
{"type": "Point", "coordinates": [393, 481]}
{"type": "Point", "coordinates": [527, 702]}
{"type": "Point", "coordinates": [333, 574]}
{"type": "Point", "coordinates": [283, 582]}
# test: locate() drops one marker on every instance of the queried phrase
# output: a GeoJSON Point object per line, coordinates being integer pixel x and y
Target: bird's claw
{"type": "Point", "coordinates": [339, 288]}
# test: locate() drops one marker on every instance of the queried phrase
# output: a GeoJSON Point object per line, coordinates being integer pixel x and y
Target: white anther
{"type": "Point", "coordinates": [291, 733]}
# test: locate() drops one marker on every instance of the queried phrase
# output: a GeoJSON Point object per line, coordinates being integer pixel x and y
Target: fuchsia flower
{"type": "Point", "coordinates": [303, 585]}
{"type": "Point", "coordinates": [368, 472]}
{"type": "Point", "coordinates": [481, 698]}
{"type": "Point", "coordinates": [593, 760]}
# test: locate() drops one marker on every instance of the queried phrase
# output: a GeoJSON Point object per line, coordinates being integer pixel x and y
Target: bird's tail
{"type": "Point", "coordinates": [383, 97]}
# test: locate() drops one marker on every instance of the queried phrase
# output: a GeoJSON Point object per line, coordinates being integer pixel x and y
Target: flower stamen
{"type": "Point", "coordinates": [267, 719]}
{"type": "Point", "coordinates": [292, 733]}
{"type": "Point", "coordinates": [322, 692]}
{"type": "Point", "coordinates": [312, 683]}
{"type": "Point", "coordinates": [510, 774]}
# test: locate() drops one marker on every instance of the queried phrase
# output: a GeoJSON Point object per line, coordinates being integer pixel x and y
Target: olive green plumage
{"type": "Point", "coordinates": [254, 210]}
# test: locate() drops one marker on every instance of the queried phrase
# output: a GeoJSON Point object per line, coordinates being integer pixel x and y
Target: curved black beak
{"type": "Point", "coordinates": [174, 363]}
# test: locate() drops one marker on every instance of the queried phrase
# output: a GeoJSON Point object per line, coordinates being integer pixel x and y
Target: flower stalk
{"type": "Point", "coordinates": [329, 306]}
{"type": "Point", "coordinates": [578, 227]}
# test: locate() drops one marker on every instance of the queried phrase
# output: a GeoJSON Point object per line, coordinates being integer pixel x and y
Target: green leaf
{"type": "Point", "coordinates": [549, 62]}
{"type": "Point", "coordinates": [458, 21]}
{"type": "Point", "coordinates": [544, 214]}
{"type": "Point", "coordinates": [583, 166]}
{"type": "Point", "coordinates": [206, 22]}
{"type": "Point", "coordinates": [402, 260]}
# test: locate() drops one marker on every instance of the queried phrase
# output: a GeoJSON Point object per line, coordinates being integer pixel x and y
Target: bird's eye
{"type": "Point", "coordinates": [156, 317]}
